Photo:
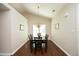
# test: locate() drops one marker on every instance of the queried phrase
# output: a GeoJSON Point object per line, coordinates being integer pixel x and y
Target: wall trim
{"type": "Point", "coordinates": [61, 48]}
{"type": "Point", "coordinates": [18, 48]}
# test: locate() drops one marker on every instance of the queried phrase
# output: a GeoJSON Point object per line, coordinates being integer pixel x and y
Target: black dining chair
{"type": "Point", "coordinates": [39, 36]}
{"type": "Point", "coordinates": [38, 43]}
{"type": "Point", "coordinates": [46, 42]}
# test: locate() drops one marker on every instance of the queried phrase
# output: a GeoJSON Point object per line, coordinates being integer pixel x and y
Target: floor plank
{"type": "Point", "coordinates": [52, 50]}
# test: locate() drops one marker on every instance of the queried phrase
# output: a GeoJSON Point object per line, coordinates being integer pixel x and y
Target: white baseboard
{"type": "Point", "coordinates": [61, 48]}
{"type": "Point", "coordinates": [18, 48]}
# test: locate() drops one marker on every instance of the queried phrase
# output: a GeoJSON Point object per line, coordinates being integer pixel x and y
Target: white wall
{"type": "Point", "coordinates": [18, 37]}
{"type": "Point", "coordinates": [5, 32]}
{"type": "Point", "coordinates": [66, 36]}
{"type": "Point", "coordinates": [11, 38]}
{"type": "Point", "coordinates": [78, 29]}
{"type": "Point", "coordinates": [33, 19]}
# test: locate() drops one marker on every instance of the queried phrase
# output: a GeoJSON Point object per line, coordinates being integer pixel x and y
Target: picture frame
{"type": "Point", "coordinates": [21, 27]}
{"type": "Point", "coordinates": [57, 26]}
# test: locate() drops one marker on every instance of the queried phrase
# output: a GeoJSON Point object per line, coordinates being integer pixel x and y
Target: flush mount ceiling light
{"type": "Point", "coordinates": [53, 10]}
{"type": "Point", "coordinates": [66, 14]}
{"type": "Point", "coordinates": [38, 9]}
{"type": "Point", "coordinates": [38, 6]}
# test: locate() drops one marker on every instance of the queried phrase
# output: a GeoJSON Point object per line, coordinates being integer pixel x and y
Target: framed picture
{"type": "Point", "coordinates": [57, 26]}
{"type": "Point", "coordinates": [21, 27]}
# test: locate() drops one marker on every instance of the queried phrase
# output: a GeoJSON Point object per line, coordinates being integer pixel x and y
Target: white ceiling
{"type": "Point", "coordinates": [45, 9]}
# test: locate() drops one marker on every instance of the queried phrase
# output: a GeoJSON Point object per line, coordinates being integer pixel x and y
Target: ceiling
{"type": "Point", "coordinates": [42, 9]}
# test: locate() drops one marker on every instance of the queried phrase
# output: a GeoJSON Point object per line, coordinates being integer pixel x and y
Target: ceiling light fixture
{"type": "Point", "coordinates": [38, 7]}
{"type": "Point", "coordinates": [53, 10]}
{"type": "Point", "coordinates": [66, 14]}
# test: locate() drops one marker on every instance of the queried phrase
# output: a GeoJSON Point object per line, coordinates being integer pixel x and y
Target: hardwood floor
{"type": "Point", "coordinates": [52, 50]}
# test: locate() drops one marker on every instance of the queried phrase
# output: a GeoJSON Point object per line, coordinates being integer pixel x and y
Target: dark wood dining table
{"type": "Point", "coordinates": [38, 43]}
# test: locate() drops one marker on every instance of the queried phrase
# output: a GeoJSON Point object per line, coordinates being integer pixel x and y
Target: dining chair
{"type": "Point", "coordinates": [46, 42]}
{"type": "Point", "coordinates": [38, 42]}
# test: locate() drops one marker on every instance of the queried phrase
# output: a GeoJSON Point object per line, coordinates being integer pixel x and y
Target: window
{"type": "Point", "coordinates": [41, 29]}
{"type": "Point", "coordinates": [35, 30]}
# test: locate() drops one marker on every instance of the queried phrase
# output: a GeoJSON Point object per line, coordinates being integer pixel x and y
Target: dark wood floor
{"type": "Point", "coordinates": [52, 50]}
